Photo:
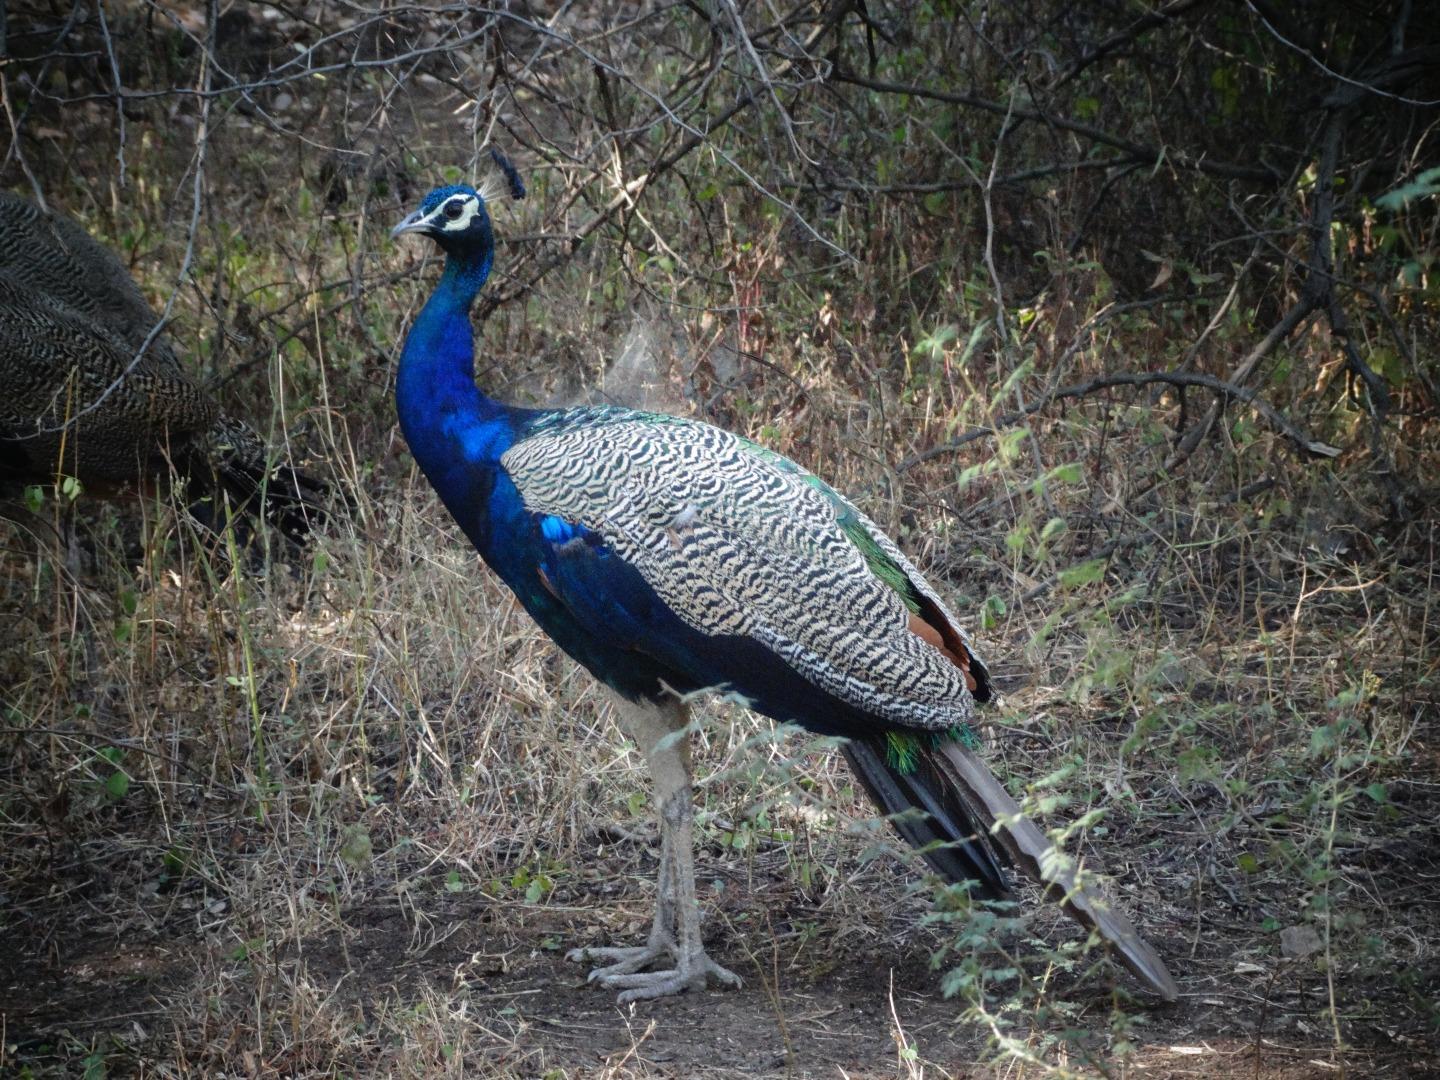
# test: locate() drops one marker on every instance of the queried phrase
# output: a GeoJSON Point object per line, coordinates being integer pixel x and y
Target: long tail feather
{"type": "Point", "coordinates": [945, 834]}
{"type": "Point", "coordinates": [1031, 851]}
{"type": "Point", "coordinates": [967, 811]}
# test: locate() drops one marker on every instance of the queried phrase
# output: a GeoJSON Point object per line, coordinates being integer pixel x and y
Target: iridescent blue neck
{"type": "Point", "coordinates": [446, 419]}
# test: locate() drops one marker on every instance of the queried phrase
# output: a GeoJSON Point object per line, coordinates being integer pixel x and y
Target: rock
{"type": "Point", "coordinates": [1298, 942]}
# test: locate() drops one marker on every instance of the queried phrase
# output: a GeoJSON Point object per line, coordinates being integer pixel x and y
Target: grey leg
{"type": "Point", "coordinates": [675, 934]}
{"type": "Point", "coordinates": [661, 945]}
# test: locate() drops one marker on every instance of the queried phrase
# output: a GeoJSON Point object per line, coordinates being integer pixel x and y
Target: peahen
{"type": "Point", "coordinates": [668, 556]}
{"type": "Point", "coordinates": [93, 391]}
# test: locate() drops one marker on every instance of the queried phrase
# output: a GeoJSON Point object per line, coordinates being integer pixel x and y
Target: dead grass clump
{"type": "Point", "coordinates": [341, 813]}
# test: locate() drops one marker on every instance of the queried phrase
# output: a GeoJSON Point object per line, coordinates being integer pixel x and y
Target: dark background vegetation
{"type": "Point", "coordinates": [1121, 316]}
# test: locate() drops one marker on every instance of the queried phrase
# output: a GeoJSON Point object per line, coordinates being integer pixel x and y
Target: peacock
{"type": "Point", "coordinates": [668, 556]}
{"type": "Point", "coordinates": [94, 391]}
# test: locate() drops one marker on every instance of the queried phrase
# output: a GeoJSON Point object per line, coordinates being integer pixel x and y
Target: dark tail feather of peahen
{"type": "Point", "coordinates": [932, 816]}
{"type": "Point", "coordinates": [288, 498]}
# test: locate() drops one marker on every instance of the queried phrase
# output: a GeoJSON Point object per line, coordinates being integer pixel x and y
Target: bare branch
{"type": "Point", "coordinates": [1147, 153]}
{"type": "Point", "coordinates": [1302, 441]}
{"type": "Point", "coordinates": [1115, 41]}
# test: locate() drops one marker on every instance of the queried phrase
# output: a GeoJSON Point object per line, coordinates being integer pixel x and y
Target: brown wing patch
{"type": "Point", "coordinates": [950, 646]}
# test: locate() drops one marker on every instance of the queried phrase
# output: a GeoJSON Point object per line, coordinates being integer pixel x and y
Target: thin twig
{"type": "Point", "coordinates": [1129, 540]}
{"type": "Point", "coordinates": [1148, 153]}
{"type": "Point", "coordinates": [202, 141]}
{"type": "Point", "coordinates": [1149, 21]}
{"type": "Point", "coordinates": [632, 190]}
{"type": "Point", "coordinates": [119, 93]}
{"type": "Point", "coordinates": [1133, 378]}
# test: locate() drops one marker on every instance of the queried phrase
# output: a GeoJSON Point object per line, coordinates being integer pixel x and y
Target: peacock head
{"type": "Point", "coordinates": [456, 216]}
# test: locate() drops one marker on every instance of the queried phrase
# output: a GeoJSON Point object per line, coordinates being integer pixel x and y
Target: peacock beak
{"type": "Point", "coordinates": [414, 223]}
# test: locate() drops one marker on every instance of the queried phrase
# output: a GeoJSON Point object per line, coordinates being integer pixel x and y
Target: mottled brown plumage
{"type": "Point", "coordinates": [88, 388]}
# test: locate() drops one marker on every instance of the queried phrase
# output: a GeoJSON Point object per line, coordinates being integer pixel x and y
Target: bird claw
{"type": "Point", "coordinates": [625, 974]}
{"type": "Point", "coordinates": [623, 960]}
{"type": "Point", "coordinates": [655, 984]}
{"type": "Point", "coordinates": [724, 976]}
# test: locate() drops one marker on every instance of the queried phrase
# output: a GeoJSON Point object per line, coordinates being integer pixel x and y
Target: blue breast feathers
{"type": "Point", "coordinates": [604, 595]}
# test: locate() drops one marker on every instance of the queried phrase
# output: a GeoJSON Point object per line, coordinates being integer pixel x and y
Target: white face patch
{"type": "Point", "coordinates": [469, 206]}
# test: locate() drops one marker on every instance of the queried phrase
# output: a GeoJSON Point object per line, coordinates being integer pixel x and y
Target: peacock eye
{"type": "Point", "coordinates": [452, 210]}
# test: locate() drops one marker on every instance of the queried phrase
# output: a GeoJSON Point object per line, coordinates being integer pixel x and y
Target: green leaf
{"type": "Point", "coordinates": [1423, 186]}
{"type": "Point", "coordinates": [1248, 863]}
{"type": "Point", "coordinates": [991, 612]}
{"type": "Point", "coordinates": [933, 344]}
{"type": "Point", "coordinates": [1009, 443]}
{"type": "Point", "coordinates": [1323, 740]}
{"type": "Point", "coordinates": [357, 848]}
{"type": "Point", "coordinates": [538, 889]}
{"type": "Point", "coordinates": [1378, 793]}
{"type": "Point", "coordinates": [973, 342]}
{"type": "Point", "coordinates": [175, 863]}
{"type": "Point", "coordinates": [1195, 763]}
{"type": "Point", "coordinates": [247, 949]}
{"type": "Point", "coordinates": [1083, 574]}
{"type": "Point", "coordinates": [117, 785]}
{"type": "Point", "coordinates": [1388, 365]}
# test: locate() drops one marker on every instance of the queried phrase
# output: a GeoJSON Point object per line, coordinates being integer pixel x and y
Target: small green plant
{"type": "Point", "coordinates": [114, 781]}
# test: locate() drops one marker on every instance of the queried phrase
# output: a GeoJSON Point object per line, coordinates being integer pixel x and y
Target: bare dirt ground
{"type": "Point", "coordinates": [830, 990]}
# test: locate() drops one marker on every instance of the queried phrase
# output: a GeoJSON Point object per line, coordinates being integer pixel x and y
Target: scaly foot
{"type": "Point", "coordinates": [622, 961]}
{"type": "Point", "coordinates": [626, 975]}
{"type": "Point", "coordinates": [691, 975]}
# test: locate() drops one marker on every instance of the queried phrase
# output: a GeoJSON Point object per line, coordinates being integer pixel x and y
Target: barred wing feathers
{"type": "Point", "coordinates": [93, 391]}
{"type": "Point", "coordinates": [736, 540]}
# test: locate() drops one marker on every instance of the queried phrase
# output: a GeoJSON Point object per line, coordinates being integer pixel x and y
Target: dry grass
{"type": "Point", "coordinates": [341, 815]}
{"type": "Point", "coordinates": [366, 805]}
